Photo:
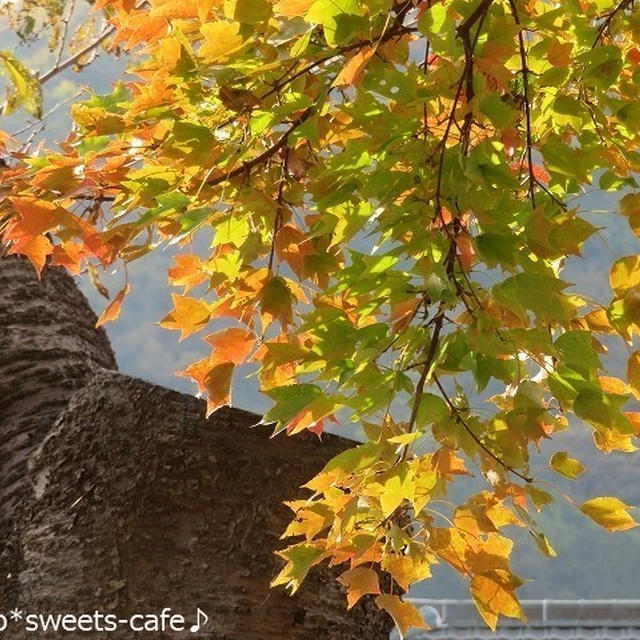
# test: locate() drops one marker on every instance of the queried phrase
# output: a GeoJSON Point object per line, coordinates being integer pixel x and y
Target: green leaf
{"type": "Point", "coordinates": [333, 16]}
{"type": "Point", "coordinates": [290, 401]}
{"type": "Point", "coordinates": [26, 90]}
{"type": "Point", "coordinates": [431, 409]}
{"type": "Point", "coordinates": [566, 466]}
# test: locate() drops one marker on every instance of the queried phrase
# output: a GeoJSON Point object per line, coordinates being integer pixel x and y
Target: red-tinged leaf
{"type": "Point", "coordinates": [218, 385]}
{"type": "Point", "coordinates": [231, 345]}
{"type": "Point", "coordinates": [352, 72]}
{"type": "Point", "coordinates": [70, 255]}
{"type": "Point", "coordinates": [36, 248]}
{"type": "Point", "coordinates": [188, 316]}
{"type": "Point", "coordinates": [359, 582]}
{"type": "Point", "coordinates": [404, 614]}
{"type": "Point", "coordinates": [112, 312]}
{"type": "Point", "coordinates": [312, 416]}
{"type": "Point", "coordinates": [559, 53]}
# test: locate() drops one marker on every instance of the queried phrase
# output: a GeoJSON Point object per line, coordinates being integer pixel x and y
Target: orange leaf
{"type": "Point", "coordinates": [359, 582]}
{"type": "Point", "coordinates": [218, 383]}
{"type": "Point", "coordinates": [69, 255]}
{"type": "Point", "coordinates": [36, 248]}
{"type": "Point", "coordinates": [231, 345]}
{"type": "Point", "coordinates": [187, 272]}
{"type": "Point", "coordinates": [404, 614]}
{"type": "Point", "coordinates": [198, 372]}
{"type": "Point", "coordinates": [188, 316]}
{"type": "Point", "coordinates": [112, 312]}
{"type": "Point", "coordinates": [352, 72]}
{"type": "Point", "coordinates": [36, 217]}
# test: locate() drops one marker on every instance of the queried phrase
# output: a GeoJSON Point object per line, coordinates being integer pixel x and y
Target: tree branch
{"type": "Point", "coordinates": [527, 103]}
{"type": "Point", "coordinates": [460, 420]}
{"type": "Point", "coordinates": [608, 19]}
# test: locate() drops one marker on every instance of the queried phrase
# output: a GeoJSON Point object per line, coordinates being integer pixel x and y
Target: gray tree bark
{"type": "Point", "coordinates": [118, 496]}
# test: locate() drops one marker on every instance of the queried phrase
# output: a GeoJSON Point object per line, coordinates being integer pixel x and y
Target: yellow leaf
{"type": "Point", "coordinates": [395, 488]}
{"type": "Point", "coordinates": [292, 8]}
{"type": "Point", "coordinates": [493, 596]}
{"type": "Point", "coordinates": [630, 207]}
{"type": "Point", "coordinates": [359, 582]}
{"type": "Point", "coordinates": [634, 418]}
{"type": "Point", "coordinates": [625, 275]}
{"type": "Point", "coordinates": [353, 70]}
{"type": "Point", "coordinates": [608, 512]}
{"type": "Point", "coordinates": [112, 312]}
{"type": "Point", "coordinates": [221, 39]}
{"type": "Point", "coordinates": [188, 316]}
{"type": "Point", "coordinates": [633, 372]}
{"type": "Point", "coordinates": [407, 569]}
{"type": "Point", "coordinates": [404, 614]}
{"type": "Point", "coordinates": [566, 466]}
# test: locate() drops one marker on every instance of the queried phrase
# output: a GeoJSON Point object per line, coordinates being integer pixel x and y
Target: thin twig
{"type": "Point", "coordinates": [527, 103]}
{"type": "Point", "coordinates": [460, 420]}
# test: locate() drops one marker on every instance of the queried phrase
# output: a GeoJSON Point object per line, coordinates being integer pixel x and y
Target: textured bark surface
{"type": "Point", "coordinates": [130, 501]}
{"type": "Point", "coordinates": [49, 348]}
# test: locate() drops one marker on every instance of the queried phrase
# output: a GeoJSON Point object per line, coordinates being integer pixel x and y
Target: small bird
{"type": "Point", "coordinates": [238, 100]}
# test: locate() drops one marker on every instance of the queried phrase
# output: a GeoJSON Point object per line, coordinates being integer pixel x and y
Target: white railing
{"type": "Point", "coordinates": [548, 612]}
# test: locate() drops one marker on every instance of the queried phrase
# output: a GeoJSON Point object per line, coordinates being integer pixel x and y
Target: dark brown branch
{"type": "Point", "coordinates": [246, 167]}
{"type": "Point", "coordinates": [608, 19]}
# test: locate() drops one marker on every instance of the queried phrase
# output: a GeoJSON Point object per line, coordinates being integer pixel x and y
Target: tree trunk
{"type": "Point", "coordinates": [118, 496]}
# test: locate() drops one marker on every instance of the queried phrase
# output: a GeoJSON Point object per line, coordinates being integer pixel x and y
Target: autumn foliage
{"type": "Point", "coordinates": [386, 188]}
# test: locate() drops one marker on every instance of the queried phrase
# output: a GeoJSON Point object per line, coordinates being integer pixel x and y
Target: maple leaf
{"type": "Point", "coordinates": [352, 72]}
{"type": "Point", "coordinates": [231, 345]}
{"type": "Point", "coordinates": [218, 385]}
{"type": "Point", "coordinates": [221, 40]}
{"type": "Point", "coordinates": [404, 614]}
{"type": "Point", "coordinates": [36, 248]}
{"type": "Point", "coordinates": [112, 312]}
{"type": "Point", "coordinates": [189, 315]}
{"type": "Point", "coordinates": [359, 582]}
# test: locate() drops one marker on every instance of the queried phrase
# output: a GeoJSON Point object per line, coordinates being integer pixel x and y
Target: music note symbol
{"type": "Point", "coordinates": [200, 615]}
